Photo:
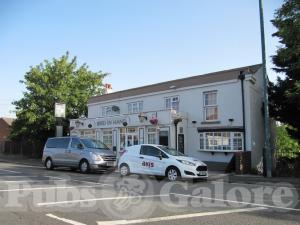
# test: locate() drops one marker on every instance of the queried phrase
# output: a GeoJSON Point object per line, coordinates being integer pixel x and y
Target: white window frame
{"type": "Point", "coordinates": [135, 107]}
{"type": "Point", "coordinates": [210, 106]}
{"type": "Point", "coordinates": [170, 102]}
{"type": "Point", "coordinates": [107, 135]}
{"type": "Point", "coordinates": [221, 141]}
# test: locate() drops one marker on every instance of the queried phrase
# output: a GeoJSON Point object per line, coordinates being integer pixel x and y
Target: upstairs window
{"type": "Point", "coordinates": [135, 107]}
{"type": "Point", "coordinates": [210, 106]}
{"type": "Point", "coordinates": [172, 103]}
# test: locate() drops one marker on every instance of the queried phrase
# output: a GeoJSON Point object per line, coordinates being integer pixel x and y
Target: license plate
{"type": "Point", "coordinates": [202, 173]}
{"type": "Point", "coordinates": [111, 163]}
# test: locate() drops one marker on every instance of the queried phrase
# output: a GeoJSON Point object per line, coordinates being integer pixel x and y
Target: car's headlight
{"type": "Point", "coordinates": [97, 157]}
{"type": "Point", "coordinates": [186, 162]}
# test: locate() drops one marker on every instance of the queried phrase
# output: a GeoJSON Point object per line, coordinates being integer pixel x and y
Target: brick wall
{"type": "Point", "coordinates": [4, 130]}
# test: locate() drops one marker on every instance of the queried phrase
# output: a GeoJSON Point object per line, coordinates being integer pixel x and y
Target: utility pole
{"type": "Point", "coordinates": [267, 153]}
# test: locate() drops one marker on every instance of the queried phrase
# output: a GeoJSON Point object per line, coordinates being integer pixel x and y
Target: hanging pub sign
{"type": "Point", "coordinates": [60, 110]}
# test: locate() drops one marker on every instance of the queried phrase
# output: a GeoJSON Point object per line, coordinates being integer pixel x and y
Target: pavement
{"type": "Point", "coordinates": [30, 194]}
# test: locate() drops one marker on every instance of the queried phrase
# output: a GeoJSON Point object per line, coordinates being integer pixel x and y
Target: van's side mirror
{"type": "Point", "coordinates": [160, 156]}
{"type": "Point", "coordinates": [80, 146]}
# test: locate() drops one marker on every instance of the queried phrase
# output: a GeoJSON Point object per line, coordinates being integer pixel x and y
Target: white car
{"type": "Point", "coordinates": [160, 161]}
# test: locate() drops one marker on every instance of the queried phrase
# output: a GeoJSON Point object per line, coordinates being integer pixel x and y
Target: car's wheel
{"type": "Point", "coordinates": [124, 170]}
{"type": "Point", "coordinates": [173, 174]}
{"type": "Point", "coordinates": [84, 166]}
{"type": "Point", "coordinates": [49, 164]}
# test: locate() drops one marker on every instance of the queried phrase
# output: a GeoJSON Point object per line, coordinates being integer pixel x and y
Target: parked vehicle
{"type": "Point", "coordinates": [78, 153]}
{"type": "Point", "coordinates": [160, 161]}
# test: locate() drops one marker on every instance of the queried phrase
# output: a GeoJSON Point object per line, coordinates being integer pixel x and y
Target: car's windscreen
{"type": "Point", "coordinates": [91, 143]}
{"type": "Point", "coordinates": [170, 151]}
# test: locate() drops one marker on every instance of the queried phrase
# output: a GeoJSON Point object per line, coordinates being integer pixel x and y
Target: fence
{"type": "Point", "coordinates": [21, 148]}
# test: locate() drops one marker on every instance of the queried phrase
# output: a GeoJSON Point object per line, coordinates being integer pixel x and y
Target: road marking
{"type": "Point", "coordinates": [90, 182]}
{"type": "Point", "coordinates": [255, 185]}
{"type": "Point", "coordinates": [10, 171]}
{"type": "Point", "coordinates": [49, 188]}
{"type": "Point", "coordinates": [73, 222]}
{"type": "Point", "coordinates": [98, 199]}
{"type": "Point", "coordinates": [59, 178]}
{"type": "Point", "coordinates": [27, 181]}
{"type": "Point", "coordinates": [176, 217]}
{"type": "Point", "coordinates": [238, 202]}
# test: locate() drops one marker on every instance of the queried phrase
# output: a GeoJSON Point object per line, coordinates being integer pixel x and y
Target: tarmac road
{"type": "Point", "coordinates": [34, 195]}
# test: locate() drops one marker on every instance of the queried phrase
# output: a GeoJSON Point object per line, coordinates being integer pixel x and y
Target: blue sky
{"type": "Point", "coordinates": [139, 42]}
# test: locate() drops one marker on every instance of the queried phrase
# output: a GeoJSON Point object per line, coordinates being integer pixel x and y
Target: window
{"type": "Point", "coordinates": [150, 151]}
{"type": "Point", "coordinates": [135, 107]}
{"type": "Point", "coordinates": [172, 103]}
{"type": "Point", "coordinates": [75, 142]}
{"type": "Point", "coordinates": [110, 110]}
{"type": "Point", "coordinates": [222, 141]}
{"type": "Point", "coordinates": [152, 135]}
{"type": "Point", "coordinates": [107, 137]}
{"type": "Point", "coordinates": [210, 106]}
{"type": "Point", "coordinates": [58, 143]}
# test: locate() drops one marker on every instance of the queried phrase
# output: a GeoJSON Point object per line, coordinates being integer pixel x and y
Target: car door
{"type": "Point", "coordinates": [75, 151]}
{"type": "Point", "coordinates": [151, 161]}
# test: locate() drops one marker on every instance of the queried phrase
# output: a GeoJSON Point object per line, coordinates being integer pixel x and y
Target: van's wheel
{"type": "Point", "coordinates": [124, 170]}
{"type": "Point", "coordinates": [173, 174]}
{"type": "Point", "coordinates": [49, 164]}
{"type": "Point", "coordinates": [84, 166]}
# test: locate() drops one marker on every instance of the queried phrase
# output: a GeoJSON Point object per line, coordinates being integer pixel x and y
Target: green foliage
{"type": "Point", "coordinates": [285, 94]}
{"type": "Point", "coordinates": [59, 80]}
{"type": "Point", "coordinates": [286, 146]}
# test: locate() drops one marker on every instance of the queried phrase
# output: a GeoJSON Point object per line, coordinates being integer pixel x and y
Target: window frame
{"type": "Point", "coordinates": [135, 107]}
{"type": "Point", "coordinates": [169, 101]}
{"type": "Point", "coordinates": [217, 143]}
{"type": "Point", "coordinates": [210, 106]}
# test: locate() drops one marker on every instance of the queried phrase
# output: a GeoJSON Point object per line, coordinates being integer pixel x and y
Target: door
{"type": "Point", "coordinates": [181, 143]}
{"type": "Point", "coordinates": [150, 162]}
{"type": "Point", "coordinates": [164, 137]}
{"type": "Point", "coordinates": [62, 157]}
{"type": "Point", "coordinates": [75, 152]}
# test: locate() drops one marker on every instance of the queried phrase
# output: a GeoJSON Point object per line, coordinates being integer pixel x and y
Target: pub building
{"type": "Point", "coordinates": [210, 116]}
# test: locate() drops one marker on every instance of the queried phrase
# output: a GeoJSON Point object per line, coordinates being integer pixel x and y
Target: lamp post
{"type": "Point", "coordinates": [267, 154]}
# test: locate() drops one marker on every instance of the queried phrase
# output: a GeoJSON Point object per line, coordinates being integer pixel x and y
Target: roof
{"type": "Point", "coordinates": [179, 83]}
{"type": "Point", "coordinates": [8, 120]}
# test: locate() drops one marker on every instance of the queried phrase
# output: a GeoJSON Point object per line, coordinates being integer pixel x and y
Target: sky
{"type": "Point", "coordinates": [139, 42]}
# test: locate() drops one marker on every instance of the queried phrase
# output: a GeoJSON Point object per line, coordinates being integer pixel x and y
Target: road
{"type": "Point", "coordinates": [32, 195]}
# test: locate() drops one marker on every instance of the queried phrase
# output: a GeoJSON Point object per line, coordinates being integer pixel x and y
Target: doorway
{"type": "Point", "coordinates": [164, 136]}
{"type": "Point", "coordinates": [128, 137]}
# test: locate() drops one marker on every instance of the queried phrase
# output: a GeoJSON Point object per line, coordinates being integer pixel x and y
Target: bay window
{"type": "Point", "coordinates": [221, 141]}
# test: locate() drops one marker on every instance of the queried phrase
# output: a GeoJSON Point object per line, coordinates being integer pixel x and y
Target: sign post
{"type": "Point", "coordinates": [60, 113]}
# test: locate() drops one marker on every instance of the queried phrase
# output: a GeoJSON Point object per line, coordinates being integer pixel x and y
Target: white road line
{"type": "Point", "coordinates": [10, 171]}
{"type": "Point", "coordinates": [176, 217]}
{"type": "Point", "coordinates": [98, 199]}
{"type": "Point", "coordinates": [90, 182]}
{"type": "Point", "coordinates": [238, 202]}
{"type": "Point", "coordinates": [59, 178]}
{"type": "Point", "coordinates": [255, 185]}
{"type": "Point", "coordinates": [27, 181]}
{"type": "Point", "coordinates": [73, 222]}
{"type": "Point", "coordinates": [48, 188]}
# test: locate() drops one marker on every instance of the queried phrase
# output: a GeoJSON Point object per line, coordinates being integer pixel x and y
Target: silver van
{"type": "Point", "coordinates": [78, 153]}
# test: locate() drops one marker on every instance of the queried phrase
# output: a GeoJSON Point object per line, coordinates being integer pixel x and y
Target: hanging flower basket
{"type": "Point", "coordinates": [154, 121]}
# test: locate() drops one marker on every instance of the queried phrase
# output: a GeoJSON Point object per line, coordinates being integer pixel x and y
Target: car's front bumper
{"type": "Point", "coordinates": [102, 165]}
{"type": "Point", "coordinates": [199, 171]}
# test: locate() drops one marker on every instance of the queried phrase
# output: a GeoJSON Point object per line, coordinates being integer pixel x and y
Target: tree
{"type": "Point", "coordinates": [59, 80]}
{"type": "Point", "coordinates": [285, 94]}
